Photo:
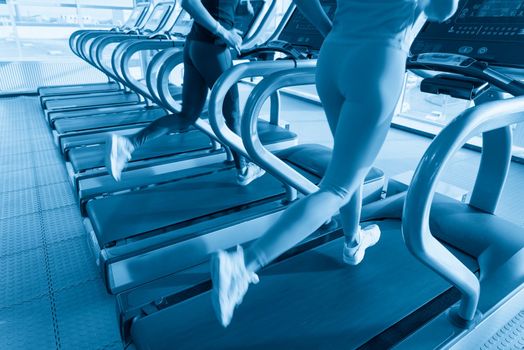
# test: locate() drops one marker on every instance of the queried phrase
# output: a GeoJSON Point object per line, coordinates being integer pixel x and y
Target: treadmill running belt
{"type": "Point", "coordinates": [310, 301]}
{"type": "Point", "coordinates": [74, 89]}
{"type": "Point", "coordinates": [89, 102]}
{"type": "Point", "coordinates": [174, 203]}
{"type": "Point", "coordinates": [57, 115]}
{"type": "Point", "coordinates": [67, 125]}
{"type": "Point", "coordinates": [86, 158]}
{"type": "Point", "coordinates": [94, 156]}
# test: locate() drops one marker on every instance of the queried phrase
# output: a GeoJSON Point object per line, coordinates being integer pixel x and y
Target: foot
{"type": "Point", "coordinates": [369, 236]}
{"type": "Point", "coordinates": [231, 280]}
{"type": "Point", "coordinates": [250, 173]}
{"type": "Point", "coordinates": [118, 154]}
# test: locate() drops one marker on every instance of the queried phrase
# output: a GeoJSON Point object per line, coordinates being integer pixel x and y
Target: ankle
{"type": "Point", "coordinates": [133, 141]}
{"type": "Point", "coordinates": [250, 261]}
{"type": "Point", "coordinates": [353, 240]}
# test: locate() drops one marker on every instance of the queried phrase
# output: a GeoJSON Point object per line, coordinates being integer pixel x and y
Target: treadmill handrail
{"type": "Point", "coordinates": [83, 40]}
{"type": "Point", "coordinates": [153, 73]}
{"type": "Point", "coordinates": [97, 49]}
{"type": "Point", "coordinates": [88, 50]}
{"type": "Point", "coordinates": [170, 60]}
{"type": "Point", "coordinates": [257, 151]}
{"type": "Point", "coordinates": [143, 9]}
{"type": "Point", "coordinates": [495, 116]}
{"type": "Point", "coordinates": [121, 59]}
{"type": "Point", "coordinates": [253, 36]}
{"type": "Point", "coordinates": [287, 15]}
{"type": "Point", "coordinates": [227, 80]}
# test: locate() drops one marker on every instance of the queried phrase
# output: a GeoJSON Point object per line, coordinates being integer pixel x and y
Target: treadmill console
{"type": "Point", "coordinates": [487, 30]}
{"type": "Point", "coordinates": [135, 16]}
{"type": "Point", "coordinates": [299, 32]}
{"type": "Point", "coordinates": [157, 18]}
{"type": "Point", "coordinates": [182, 25]}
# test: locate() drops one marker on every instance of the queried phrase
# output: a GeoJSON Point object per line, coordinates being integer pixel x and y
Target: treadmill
{"type": "Point", "coordinates": [93, 47]}
{"type": "Point", "coordinates": [136, 231]}
{"type": "Point", "coordinates": [457, 285]}
{"type": "Point", "coordinates": [158, 161]}
{"type": "Point", "coordinates": [136, 18]}
{"type": "Point", "coordinates": [174, 152]}
{"type": "Point", "coordinates": [85, 121]}
{"type": "Point", "coordinates": [91, 128]}
{"type": "Point", "coordinates": [73, 123]}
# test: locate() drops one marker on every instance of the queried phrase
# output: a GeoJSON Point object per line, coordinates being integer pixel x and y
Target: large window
{"type": "Point", "coordinates": [39, 29]}
{"type": "Point", "coordinates": [429, 113]}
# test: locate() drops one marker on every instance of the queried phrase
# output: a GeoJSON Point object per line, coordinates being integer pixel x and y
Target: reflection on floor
{"type": "Point", "coordinates": [51, 293]}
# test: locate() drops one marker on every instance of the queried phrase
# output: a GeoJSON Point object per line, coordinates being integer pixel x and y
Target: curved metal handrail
{"type": "Point", "coordinates": [171, 59]}
{"type": "Point", "coordinates": [287, 15]}
{"type": "Point", "coordinates": [121, 59]}
{"type": "Point", "coordinates": [253, 36]}
{"type": "Point", "coordinates": [490, 117]}
{"type": "Point", "coordinates": [100, 44]}
{"type": "Point", "coordinates": [153, 69]}
{"type": "Point", "coordinates": [256, 150]}
{"type": "Point", "coordinates": [228, 80]}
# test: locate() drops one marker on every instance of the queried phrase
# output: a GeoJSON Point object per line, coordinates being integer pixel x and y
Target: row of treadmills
{"type": "Point", "coordinates": [446, 274]}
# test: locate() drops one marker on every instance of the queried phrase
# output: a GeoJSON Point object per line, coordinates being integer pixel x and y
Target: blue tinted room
{"type": "Point", "coordinates": [254, 174]}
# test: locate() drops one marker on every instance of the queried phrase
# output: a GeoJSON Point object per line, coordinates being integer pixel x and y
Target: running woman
{"type": "Point", "coordinates": [206, 56]}
{"type": "Point", "coordinates": [359, 79]}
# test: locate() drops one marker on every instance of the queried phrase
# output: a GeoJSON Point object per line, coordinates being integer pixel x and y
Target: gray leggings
{"type": "Point", "coordinates": [359, 85]}
{"type": "Point", "coordinates": [204, 63]}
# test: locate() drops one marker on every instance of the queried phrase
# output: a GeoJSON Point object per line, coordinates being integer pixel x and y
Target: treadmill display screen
{"type": "Point", "coordinates": [133, 18]}
{"type": "Point", "coordinates": [182, 24]}
{"type": "Point", "coordinates": [488, 30]}
{"type": "Point", "coordinates": [156, 17]}
{"type": "Point", "coordinates": [243, 19]}
{"type": "Point", "coordinates": [301, 33]}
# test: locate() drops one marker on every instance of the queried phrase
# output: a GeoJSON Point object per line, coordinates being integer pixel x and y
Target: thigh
{"type": "Point", "coordinates": [194, 90]}
{"type": "Point", "coordinates": [326, 83]}
{"type": "Point", "coordinates": [371, 87]}
{"type": "Point", "coordinates": [210, 60]}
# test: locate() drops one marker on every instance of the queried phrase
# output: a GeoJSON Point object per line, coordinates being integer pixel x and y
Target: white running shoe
{"type": "Point", "coordinates": [369, 236]}
{"type": "Point", "coordinates": [119, 153]}
{"type": "Point", "coordinates": [251, 173]}
{"type": "Point", "coordinates": [231, 280]}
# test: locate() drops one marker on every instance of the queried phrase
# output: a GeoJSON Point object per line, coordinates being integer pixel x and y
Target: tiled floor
{"type": "Point", "coordinates": [51, 293]}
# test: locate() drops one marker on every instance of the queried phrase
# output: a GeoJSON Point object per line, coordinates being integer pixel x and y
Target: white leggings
{"type": "Point", "coordinates": [359, 85]}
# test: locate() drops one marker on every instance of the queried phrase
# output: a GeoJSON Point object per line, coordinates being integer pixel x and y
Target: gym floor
{"type": "Point", "coordinates": [51, 292]}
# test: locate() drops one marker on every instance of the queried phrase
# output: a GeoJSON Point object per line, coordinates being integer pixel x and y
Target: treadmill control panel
{"type": "Point", "coordinates": [182, 25]}
{"type": "Point", "coordinates": [487, 30]}
{"type": "Point", "coordinates": [443, 58]}
{"type": "Point", "coordinates": [157, 17]}
{"type": "Point", "coordinates": [301, 33]}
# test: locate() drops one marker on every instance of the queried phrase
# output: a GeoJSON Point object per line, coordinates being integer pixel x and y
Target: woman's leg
{"type": "Point", "coordinates": [370, 83]}
{"type": "Point", "coordinates": [194, 93]}
{"type": "Point", "coordinates": [332, 101]}
{"type": "Point", "coordinates": [212, 61]}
